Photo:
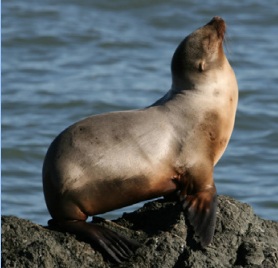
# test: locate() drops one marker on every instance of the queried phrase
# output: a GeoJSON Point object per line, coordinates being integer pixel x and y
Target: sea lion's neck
{"type": "Point", "coordinates": [181, 84]}
{"type": "Point", "coordinates": [176, 88]}
{"type": "Point", "coordinates": [220, 83]}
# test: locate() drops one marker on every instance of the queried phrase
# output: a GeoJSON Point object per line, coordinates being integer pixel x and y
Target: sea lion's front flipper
{"type": "Point", "coordinates": [200, 209]}
{"type": "Point", "coordinates": [118, 247]}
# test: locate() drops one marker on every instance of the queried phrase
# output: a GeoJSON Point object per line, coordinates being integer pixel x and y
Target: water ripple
{"type": "Point", "coordinates": [64, 61]}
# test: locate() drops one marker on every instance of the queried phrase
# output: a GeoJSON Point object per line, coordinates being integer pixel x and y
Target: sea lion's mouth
{"type": "Point", "coordinates": [220, 26]}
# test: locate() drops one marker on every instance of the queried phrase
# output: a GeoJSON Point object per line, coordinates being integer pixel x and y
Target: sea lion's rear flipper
{"type": "Point", "coordinates": [118, 247]}
{"type": "Point", "coordinates": [200, 210]}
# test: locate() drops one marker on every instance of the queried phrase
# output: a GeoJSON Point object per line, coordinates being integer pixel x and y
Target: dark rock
{"type": "Point", "coordinates": [241, 239]}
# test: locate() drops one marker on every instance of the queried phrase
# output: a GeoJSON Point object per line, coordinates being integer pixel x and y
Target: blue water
{"type": "Point", "coordinates": [63, 61]}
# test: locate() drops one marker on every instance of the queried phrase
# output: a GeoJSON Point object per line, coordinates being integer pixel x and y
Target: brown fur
{"type": "Point", "coordinates": [112, 160]}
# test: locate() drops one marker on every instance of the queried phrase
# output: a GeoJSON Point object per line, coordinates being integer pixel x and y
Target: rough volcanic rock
{"type": "Point", "coordinates": [241, 239]}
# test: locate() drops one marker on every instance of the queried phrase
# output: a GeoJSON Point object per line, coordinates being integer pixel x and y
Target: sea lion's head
{"type": "Point", "coordinates": [198, 54]}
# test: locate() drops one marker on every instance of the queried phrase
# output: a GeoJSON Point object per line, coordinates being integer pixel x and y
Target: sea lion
{"type": "Point", "coordinates": [112, 160]}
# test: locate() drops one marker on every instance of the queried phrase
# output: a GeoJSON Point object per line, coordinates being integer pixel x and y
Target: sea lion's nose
{"type": "Point", "coordinates": [216, 20]}
{"type": "Point", "coordinates": [219, 25]}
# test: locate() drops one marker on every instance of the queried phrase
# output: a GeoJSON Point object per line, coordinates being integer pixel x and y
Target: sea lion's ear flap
{"type": "Point", "coordinates": [200, 209]}
{"type": "Point", "coordinates": [202, 66]}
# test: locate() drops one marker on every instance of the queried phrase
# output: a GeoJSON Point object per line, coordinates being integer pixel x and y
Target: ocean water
{"type": "Point", "coordinates": [65, 60]}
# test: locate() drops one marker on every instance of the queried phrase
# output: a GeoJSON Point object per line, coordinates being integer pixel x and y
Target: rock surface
{"type": "Point", "coordinates": [241, 239]}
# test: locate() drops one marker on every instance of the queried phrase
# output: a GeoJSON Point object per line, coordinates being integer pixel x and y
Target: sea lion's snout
{"type": "Point", "coordinates": [219, 25]}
